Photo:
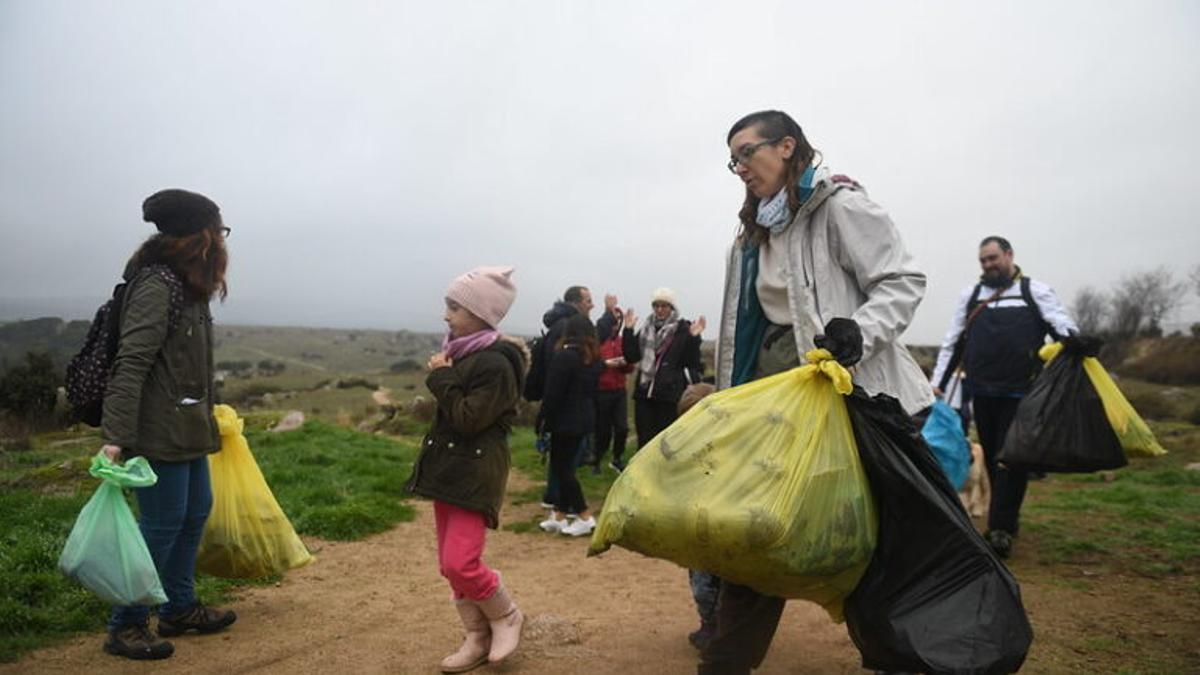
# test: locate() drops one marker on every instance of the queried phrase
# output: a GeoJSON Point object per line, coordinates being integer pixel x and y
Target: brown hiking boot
{"type": "Point", "coordinates": [199, 618]}
{"type": "Point", "coordinates": [137, 642]}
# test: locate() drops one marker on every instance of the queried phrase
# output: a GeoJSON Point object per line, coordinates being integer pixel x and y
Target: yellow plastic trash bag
{"type": "Point", "coordinates": [1133, 433]}
{"type": "Point", "coordinates": [247, 535]}
{"type": "Point", "coordinates": [760, 484]}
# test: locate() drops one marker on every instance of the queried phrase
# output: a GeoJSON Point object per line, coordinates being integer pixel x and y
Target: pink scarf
{"type": "Point", "coordinates": [457, 348]}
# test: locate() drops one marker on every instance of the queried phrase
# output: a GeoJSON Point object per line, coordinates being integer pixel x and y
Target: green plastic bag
{"type": "Point", "coordinates": [105, 551]}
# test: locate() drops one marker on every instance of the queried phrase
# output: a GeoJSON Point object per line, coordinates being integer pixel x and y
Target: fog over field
{"type": "Point", "coordinates": [366, 153]}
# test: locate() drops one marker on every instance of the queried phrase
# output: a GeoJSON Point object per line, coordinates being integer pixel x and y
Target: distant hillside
{"type": "Point", "coordinates": [61, 339]}
{"type": "Point", "coordinates": [333, 350]}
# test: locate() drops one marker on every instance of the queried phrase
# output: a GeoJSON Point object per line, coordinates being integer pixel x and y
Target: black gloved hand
{"type": "Point", "coordinates": [843, 338]}
{"type": "Point", "coordinates": [1082, 345]}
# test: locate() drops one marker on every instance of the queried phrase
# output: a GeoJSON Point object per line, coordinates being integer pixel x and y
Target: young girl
{"type": "Point", "coordinates": [477, 379]}
{"type": "Point", "coordinates": [569, 408]}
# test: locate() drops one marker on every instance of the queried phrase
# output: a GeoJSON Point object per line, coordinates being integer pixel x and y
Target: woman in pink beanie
{"type": "Point", "coordinates": [477, 380]}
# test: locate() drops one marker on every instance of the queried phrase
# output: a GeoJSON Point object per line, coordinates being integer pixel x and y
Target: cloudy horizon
{"type": "Point", "coordinates": [366, 153]}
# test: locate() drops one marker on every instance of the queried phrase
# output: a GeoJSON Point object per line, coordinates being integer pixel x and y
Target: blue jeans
{"type": "Point", "coordinates": [550, 496]}
{"type": "Point", "coordinates": [173, 512]}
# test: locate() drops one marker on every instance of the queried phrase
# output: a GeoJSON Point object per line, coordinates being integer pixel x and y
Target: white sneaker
{"type": "Point", "coordinates": [580, 527]}
{"type": "Point", "coordinates": [552, 525]}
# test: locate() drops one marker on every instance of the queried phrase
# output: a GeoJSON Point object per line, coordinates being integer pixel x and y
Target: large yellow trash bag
{"type": "Point", "coordinates": [760, 484]}
{"type": "Point", "coordinates": [1133, 433]}
{"type": "Point", "coordinates": [247, 535]}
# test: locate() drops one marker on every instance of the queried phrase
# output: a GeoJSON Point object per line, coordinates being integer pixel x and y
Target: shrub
{"type": "Point", "coordinates": [30, 391]}
{"type": "Point", "coordinates": [1173, 361]}
{"type": "Point", "coordinates": [1153, 405]}
{"type": "Point", "coordinates": [405, 366]}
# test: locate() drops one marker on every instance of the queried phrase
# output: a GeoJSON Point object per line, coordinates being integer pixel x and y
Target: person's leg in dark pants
{"type": "Point", "coordinates": [605, 411]}
{"type": "Point", "coordinates": [663, 415]}
{"type": "Point", "coordinates": [706, 587]}
{"type": "Point", "coordinates": [643, 420]}
{"type": "Point", "coordinates": [993, 416]}
{"type": "Point", "coordinates": [564, 453]}
{"type": "Point", "coordinates": [746, 623]}
{"type": "Point", "coordinates": [620, 426]}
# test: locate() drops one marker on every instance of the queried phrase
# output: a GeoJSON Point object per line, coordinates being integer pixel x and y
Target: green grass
{"type": "Point", "coordinates": [1144, 517]}
{"type": "Point", "coordinates": [333, 483]}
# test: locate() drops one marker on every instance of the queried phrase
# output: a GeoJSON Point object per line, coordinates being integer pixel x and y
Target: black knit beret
{"type": "Point", "coordinates": [180, 213]}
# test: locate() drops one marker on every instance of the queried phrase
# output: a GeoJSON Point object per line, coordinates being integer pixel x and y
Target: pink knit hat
{"type": "Point", "coordinates": [486, 292]}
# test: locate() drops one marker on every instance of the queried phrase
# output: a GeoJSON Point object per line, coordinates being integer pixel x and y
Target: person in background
{"type": "Point", "coordinates": [570, 412]}
{"type": "Point", "coordinates": [620, 351]}
{"type": "Point", "coordinates": [999, 325]}
{"type": "Point", "coordinates": [670, 361]}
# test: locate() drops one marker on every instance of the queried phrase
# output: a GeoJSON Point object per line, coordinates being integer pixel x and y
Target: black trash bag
{"type": "Point", "coordinates": [935, 599]}
{"type": "Point", "coordinates": [1061, 426]}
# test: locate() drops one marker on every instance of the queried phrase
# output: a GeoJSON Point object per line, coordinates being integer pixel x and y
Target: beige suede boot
{"type": "Point", "coordinates": [506, 621]}
{"type": "Point", "coordinates": [474, 649]}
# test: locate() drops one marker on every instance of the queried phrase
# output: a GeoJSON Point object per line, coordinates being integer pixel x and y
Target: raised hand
{"type": "Point", "coordinates": [698, 325]}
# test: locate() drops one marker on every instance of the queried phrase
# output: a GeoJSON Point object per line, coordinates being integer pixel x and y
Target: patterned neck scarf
{"type": "Point", "coordinates": [774, 213]}
{"type": "Point", "coordinates": [654, 338]}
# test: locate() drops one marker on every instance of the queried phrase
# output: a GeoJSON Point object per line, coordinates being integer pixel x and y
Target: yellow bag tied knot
{"type": "Point", "coordinates": [822, 360]}
{"type": "Point", "coordinates": [247, 534]}
{"type": "Point", "coordinates": [228, 422]}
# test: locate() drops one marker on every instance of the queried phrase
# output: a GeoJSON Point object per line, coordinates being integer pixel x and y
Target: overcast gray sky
{"type": "Point", "coordinates": [366, 153]}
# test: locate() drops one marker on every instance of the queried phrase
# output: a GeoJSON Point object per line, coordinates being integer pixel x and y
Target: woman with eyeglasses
{"type": "Point", "coordinates": [670, 348]}
{"type": "Point", "coordinates": [815, 263]}
{"type": "Point", "coordinates": [158, 404]}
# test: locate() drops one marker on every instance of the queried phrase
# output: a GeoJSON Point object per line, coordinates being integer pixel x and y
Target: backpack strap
{"type": "Point", "coordinates": [1027, 296]}
{"type": "Point", "coordinates": [174, 288]}
{"type": "Point", "coordinates": [974, 307]}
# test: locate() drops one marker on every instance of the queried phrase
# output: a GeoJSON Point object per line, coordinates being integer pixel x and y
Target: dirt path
{"type": "Point", "coordinates": [379, 606]}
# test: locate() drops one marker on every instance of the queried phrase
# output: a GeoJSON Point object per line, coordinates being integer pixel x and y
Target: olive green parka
{"type": "Point", "coordinates": [465, 458]}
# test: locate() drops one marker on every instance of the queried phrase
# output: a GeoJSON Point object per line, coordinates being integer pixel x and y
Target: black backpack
{"type": "Point", "coordinates": [89, 370]}
{"type": "Point", "coordinates": [535, 380]}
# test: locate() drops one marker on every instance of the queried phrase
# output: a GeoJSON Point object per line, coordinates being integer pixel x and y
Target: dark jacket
{"type": "Point", "coordinates": [555, 321]}
{"type": "Point", "coordinates": [676, 366]}
{"type": "Point", "coordinates": [465, 457]}
{"type": "Point", "coordinates": [570, 403]}
{"type": "Point", "coordinates": [159, 400]}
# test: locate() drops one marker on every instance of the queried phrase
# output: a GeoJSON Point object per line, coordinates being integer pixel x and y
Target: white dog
{"type": "Point", "coordinates": [977, 491]}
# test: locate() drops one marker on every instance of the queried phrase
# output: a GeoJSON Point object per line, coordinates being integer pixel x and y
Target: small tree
{"type": "Point", "coordinates": [1090, 309]}
{"type": "Point", "coordinates": [1143, 300]}
{"type": "Point", "coordinates": [30, 391]}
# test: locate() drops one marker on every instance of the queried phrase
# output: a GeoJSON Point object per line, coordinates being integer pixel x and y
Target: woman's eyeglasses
{"type": "Point", "coordinates": [225, 232]}
{"type": "Point", "coordinates": [745, 153]}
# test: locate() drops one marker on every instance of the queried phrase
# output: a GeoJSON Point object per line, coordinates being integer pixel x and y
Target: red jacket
{"type": "Point", "coordinates": [612, 379]}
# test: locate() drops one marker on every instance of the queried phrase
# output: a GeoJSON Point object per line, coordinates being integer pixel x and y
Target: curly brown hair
{"type": "Point", "coordinates": [199, 259]}
{"type": "Point", "coordinates": [775, 125]}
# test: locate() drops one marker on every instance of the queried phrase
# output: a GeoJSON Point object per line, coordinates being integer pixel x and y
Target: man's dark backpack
{"type": "Point", "coordinates": [535, 380]}
{"type": "Point", "coordinates": [89, 370]}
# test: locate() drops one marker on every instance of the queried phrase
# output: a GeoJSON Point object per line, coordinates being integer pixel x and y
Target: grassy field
{"type": "Point", "coordinates": [1113, 542]}
{"type": "Point", "coordinates": [333, 483]}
